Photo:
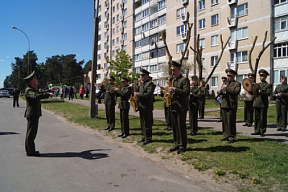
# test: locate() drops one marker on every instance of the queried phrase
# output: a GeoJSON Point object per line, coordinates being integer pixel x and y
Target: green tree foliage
{"type": "Point", "coordinates": [87, 67]}
{"type": "Point", "coordinates": [121, 66]}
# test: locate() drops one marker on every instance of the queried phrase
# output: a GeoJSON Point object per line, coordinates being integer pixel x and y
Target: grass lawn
{"type": "Point", "coordinates": [253, 165]}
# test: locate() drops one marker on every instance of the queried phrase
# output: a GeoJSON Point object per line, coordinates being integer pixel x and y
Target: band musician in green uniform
{"type": "Point", "coordinates": [281, 94]}
{"type": "Point", "coordinates": [110, 102]}
{"type": "Point", "coordinates": [194, 105]}
{"type": "Point", "coordinates": [180, 91]}
{"type": "Point", "coordinates": [202, 99]}
{"type": "Point", "coordinates": [166, 106]}
{"type": "Point", "coordinates": [261, 103]}
{"type": "Point", "coordinates": [229, 106]}
{"type": "Point", "coordinates": [33, 112]}
{"type": "Point", "coordinates": [248, 104]}
{"type": "Point", "coordinates": [15, 94]}
{"type": "Point", "coordinates": [219, 96]}
{"type": "Point", "coordinates": [124, 106]}
{"type": "Point", "coordinates": [145, 106]}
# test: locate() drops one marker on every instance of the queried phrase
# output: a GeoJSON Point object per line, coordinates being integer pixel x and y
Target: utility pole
{"type": "Point", "coordinates": [93, 105]}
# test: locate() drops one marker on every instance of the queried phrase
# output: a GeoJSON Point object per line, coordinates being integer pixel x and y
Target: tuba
{"type": "Point", "coordinates": [134, 100]}
{"type": "Point", "coordinates": [167, 96]}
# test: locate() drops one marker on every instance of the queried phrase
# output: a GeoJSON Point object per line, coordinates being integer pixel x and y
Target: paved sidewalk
{"type": "Point", "coordinates": [208, 122]}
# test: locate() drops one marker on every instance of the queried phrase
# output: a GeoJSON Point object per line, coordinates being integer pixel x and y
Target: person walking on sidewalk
{"type": "Point", "coordinates": [281, 94]}
{"type": "Point", "coordinates": [124, 106]}
{"type": "Point", "coordinates": [110, 102]}
{"type": "Point", "coordinates": [145, 106]}
{"type": "Point", "coordinates": [15, 94]}
{"type": "Point", "coordinates": [180, 91]}
{"type": "Point", "coordinates": [229, 106]}
{"type": "Point", "coordinates": [248, 104]}
{"type": "Point", "coordinates": [33, 112]}
{"type": "Point", "coordinates": [261, 104]}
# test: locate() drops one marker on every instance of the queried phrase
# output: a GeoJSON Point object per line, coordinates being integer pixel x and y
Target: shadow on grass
{"type": "Point", "coordinates": [193, 140]}
{"type": "Point", "coordinates": [84, 154]}
{"type": "Point", "coordinates": [221, 149]}
{"type": "Point", "coordinates": [265, 139]}
{"type": "Point", "coordinates": [9, 133]}
{"type": "Point", "coordinates": [271, 126]}
{"type": "Point", "coordinates": [52, 101]}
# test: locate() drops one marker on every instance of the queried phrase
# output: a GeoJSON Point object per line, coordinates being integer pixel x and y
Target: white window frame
{"type": "Point", "coordinates": [202, 24]}
{"type": "Point", "coordinates": [201, 5]}
{"type": "Point", "coordinates": [181, 29]}
{"type": "Point", "coordinates": [214, 60]}
{"type": "Point", "coordinates": [214, 81]}
{"type": "Point", "coordinates": [202, 43]}
{"type": "Point", "coordinates": [180, 47]}
{"type": "Point", "coordinates": [215, 20]}
{"type": "Point", "coordinates": [281, 23]}
{"type": "Point", "coordinates": [242, 57]}
{"type": "Point", "coordinates": [214, 2]}
{"type": "Point", "coordinates": [181, 11]}
{"type": "Point", "coordinates": [214, 40]}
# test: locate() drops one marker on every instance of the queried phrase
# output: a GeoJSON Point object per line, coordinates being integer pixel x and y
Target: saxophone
{"type": "Point", "coordinates": [133, 100]}
{"type": "Point", "coordinates": [167, 96]}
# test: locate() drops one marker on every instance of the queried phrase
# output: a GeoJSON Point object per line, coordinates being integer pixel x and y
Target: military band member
{"type": "Point", "coordinates": [15, 94]}
{"type": "Point", "coordinates": [194, 105]}
{"type": "Point", "coordinates": [154, 86]}
{"type": "Point", "coordinates": [281, 93]}
{"type": "Point", "coordinates": [229, 106]}
{"type": "Point", "coordinates": [33, 112]}
{"type": "Point", "coordinates": [145, 106]}
{"type": "Point", "coordinates": [224, 82]}
{"type": "Point", "coordinates": [260, 104]}
{"type": "Point", "coordinates": [202, 99]}
{"type": "Point", "coordinates": [180, 91]}
{"type": "Point", "coordinates": [167, 108]}
{"type": "Point", "coordinates": [110, 102]}
{"type": "Point", "coordinates": [124, 106]}
{"type": "Point", "coordinates": [248, 105]}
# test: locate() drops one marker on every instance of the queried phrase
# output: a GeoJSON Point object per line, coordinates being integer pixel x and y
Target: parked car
{"type": "Point", "coordinates": [4, 93]}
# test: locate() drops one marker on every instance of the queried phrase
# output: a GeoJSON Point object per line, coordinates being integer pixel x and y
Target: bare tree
{"type": "Point", "coordinates": [254, 70]}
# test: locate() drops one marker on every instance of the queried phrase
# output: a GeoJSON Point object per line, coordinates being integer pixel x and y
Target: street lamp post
{"type": "Point", "coordinates": [93, 106]}
{"type": "Point", "coordinates": [13, 27]}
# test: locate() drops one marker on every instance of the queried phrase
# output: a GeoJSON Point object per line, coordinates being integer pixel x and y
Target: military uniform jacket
{"type": "Point", "coordinates": [230, 95]}
{"type": "Point", "coordinates": [145, 95]}
{"type": "Point", "coordinates": [110, 96]}
{"type": "Point", "coordinates": [179, 98]}
{"type": "Point", "coordinates": [16, 93]}
{"type": "Point", "coordinates": [282, 88]}
{"type": "Point", "coordinates": [194, 96]}
{"type": "Point", "coordinates": [202, 91]}
{"type": "Point", "coordinates": [262, 100]}
{"type": "Point", "coordinates": [125, 94]}
{"type": "Point", "coordinates": [33, 103]}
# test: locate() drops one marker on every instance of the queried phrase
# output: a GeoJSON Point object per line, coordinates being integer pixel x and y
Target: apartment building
{"type": "Point", "coordinates": [137, 25]}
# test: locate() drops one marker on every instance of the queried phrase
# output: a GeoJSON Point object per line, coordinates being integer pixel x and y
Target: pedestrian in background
{"type": "Point", "coordinates": [15, 94]}
{"type": "Point", "coordinates": [81, 92]}
{"type": "Point", "coordinates": [33, 112]}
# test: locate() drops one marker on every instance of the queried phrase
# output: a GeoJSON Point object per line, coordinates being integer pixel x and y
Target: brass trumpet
{"type": "Point", "coordinates": [167, 96]}
{"type": "Point", "coordinates": [134, 100]}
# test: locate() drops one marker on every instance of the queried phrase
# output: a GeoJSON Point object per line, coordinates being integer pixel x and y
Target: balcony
{"type": "Point", "coordinates": [232, 22]}
{"type": "Point", "coordinates": [231, 2]}
{"type": "Point", "coordinates": [184, 2]}
{"type": "Point", "coordinates": [232, 45]}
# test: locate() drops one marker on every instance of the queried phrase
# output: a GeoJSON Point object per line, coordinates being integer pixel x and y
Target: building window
{"type": "Point", "coordinates": [124, 24]}
{"type": "Point", "coordinates": [214, 81]}
{"type": "Point", "coordinates": [202, 43]}
{"type": "Point", "coordinates": [117, 40]}
{"type": "Point", "coordinates": [145, 13]}
{"type": "Point", "coordinates": [239, 78]}
{"type": "Point", "coordinates": [124, 37]}
{"type": "Point", "coordinates": [138, 30]}
{"type": "Point", "coordinates": [145, 41]}
{"type": "Point", "coordinates": [214, 20]}
{"type": "Point", "coordinates": [153, 68]}
{"type": "Point", "coordinates": [202, 24]}
{"type": "Point", "coordinates": [214, 2]}
{"type": "Point", "coordinates": [144, 2]}
{"type": "Point", "coordinates": [214, 40]}
{"type": "Point", "coordinates": [124, 12]}
{"type": "Point", "coordinates": [117, 6]}
{"type": "Point", "coordinates": [201, 4]}
{"type": "Point", "coordinates": [138, 17]}
{"type": "Point", "coordinates": [124, 1]}
{"type": "Point", "coordinates": [281, 50]}
{"type": "Point", "coordinates": [280, 1]}
{"type": "Point", "coordinates": [239, 34]}
{"type": "Point", "coordinates": [124, 48]}
{"type": "Point", "coordinates": [161, 4]}
{"type": "Point", "coordinates": [180, 47]}
{"type": "Point", "coordinates": [161, 52]}
{"type": "Point", "coordinates": [153, 23]}
{"type": "Point", "coordinates": [240, 10]}
{"type": "Point", "coordinates": [138, 57]}
{"type": "Point", "coordinates": [214, 60]}
{"type": "Point", "coordinates": [161, 20]}
{"type": "Point", "coordinates": [181, 29]}
{"type": "Point", "coordinates": [117, 17]}
{"type": "Point", "coordinates": [241, 57]}
{"type": "Point", "coordinates": [113, 20]}
{"type": "Point", "coordinates": [281, 23]}
{"type": "Point", "coordinates": [145, 27]}
{"type": "Point", "coordinates": [113, 9]}
{"type": "Point", "coordinates": [117, 29]}
{"type": "Point", "coordinates": [180, 12]}
{"type": "Point", "coordinates": [153, 54]}
{"type": "Point", "coordinates": [138, 44]}
{"type": "Point", "coordinates": [278, 74]}
{"type": "Point", "coordinates": [145, 55]}
{"type": "Point", "coordinates": [113, 42]}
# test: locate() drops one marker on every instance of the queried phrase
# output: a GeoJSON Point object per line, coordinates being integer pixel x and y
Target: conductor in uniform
{"type": "Point", "coordinates": [33, 112]}
{"type": "Point", "coordinates": [145, 106]}
{"type": "Point", "coordinates": [229, 106]}
{"type": "Point", "coordinates": [124, 106]}
{"type": "Point", "coordinates": [261, 103]}
{"type": "Point", "coordinates": [110, 102]}
{"type": "Point", "coordinates": [180, 91]}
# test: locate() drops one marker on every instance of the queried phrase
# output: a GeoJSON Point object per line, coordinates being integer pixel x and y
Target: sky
{"type": "Point", "coordinates": [54, 27]}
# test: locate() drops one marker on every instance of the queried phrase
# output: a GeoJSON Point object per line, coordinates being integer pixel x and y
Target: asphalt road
{"type": "Point", "coordinates": [77, 159]}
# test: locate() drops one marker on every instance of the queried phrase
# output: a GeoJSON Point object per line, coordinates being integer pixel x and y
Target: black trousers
{"type": "Point", "coordinates": [16, 101]}
{"type": "Point", "coordinates": [124, 119]}
{"type": "Point", "coordinates": [229, 122]}
{"type": "Point", "coordinates": [260, 120]}
{"type": "Point", "coordinates": [32, 129]}
{"type": "Point", "coordinates": [193, 118]}
{"type": "Point", "coordinates": [248, 112]}
{"type": "Point", "coordinates": [110, 115]}
{"type": "Point", "coordinates": [146, 124]}
{"type": "Point", "coordinates": [179, 128]}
